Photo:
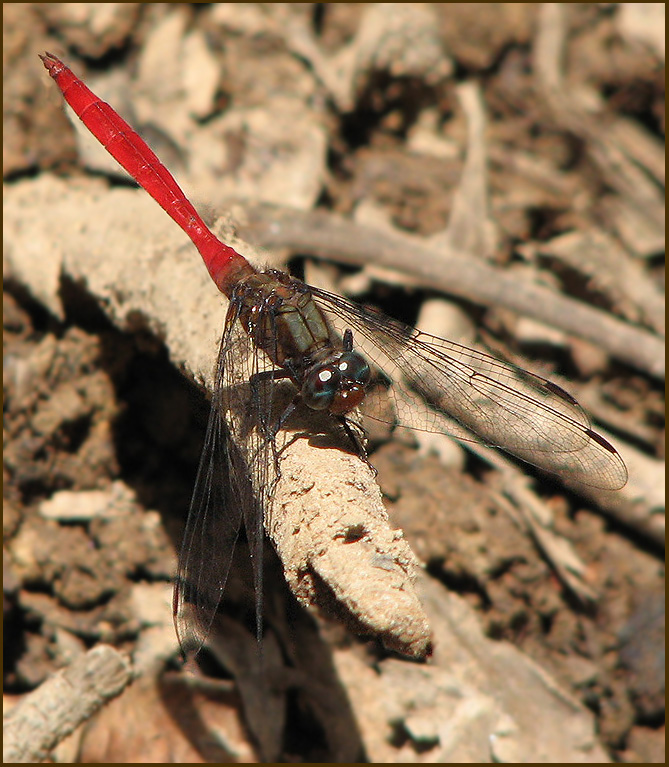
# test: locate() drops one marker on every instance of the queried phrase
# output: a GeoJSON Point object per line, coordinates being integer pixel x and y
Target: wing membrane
{"type": "Point", "coordinates": [499, 403]}
{"type": "Point", "coordinates": [234, 487]}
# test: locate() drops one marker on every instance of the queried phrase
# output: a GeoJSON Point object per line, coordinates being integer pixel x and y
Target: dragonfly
{"type": "Point", "coordinates": [287, 345]}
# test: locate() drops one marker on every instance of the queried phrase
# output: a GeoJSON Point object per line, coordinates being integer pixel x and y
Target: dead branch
{"type": "Point", "coordinates": [330, 236]}
{"type": "Point", "coordinates": [57, 707]}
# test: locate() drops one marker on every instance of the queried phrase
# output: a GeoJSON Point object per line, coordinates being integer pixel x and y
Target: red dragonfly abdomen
{"type": "Point", "coordinates": [224, 264]}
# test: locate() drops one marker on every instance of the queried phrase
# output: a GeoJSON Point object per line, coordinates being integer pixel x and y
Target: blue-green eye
{"type": "Point", "coordinates": [353, 367]}
{"type": "Point", "coordinates": [320, 387]}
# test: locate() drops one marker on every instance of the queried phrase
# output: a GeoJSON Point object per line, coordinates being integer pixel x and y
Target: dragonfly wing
{"type": "Point", "coordinates": [234, 486]}
{"type": "Point", "coordinates": [497, 403]}
{"type": "Point", "coordinates": [212, 529]}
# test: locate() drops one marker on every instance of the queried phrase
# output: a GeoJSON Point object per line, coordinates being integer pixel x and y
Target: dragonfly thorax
{"type": "Point", "coordinates": [279, 314]}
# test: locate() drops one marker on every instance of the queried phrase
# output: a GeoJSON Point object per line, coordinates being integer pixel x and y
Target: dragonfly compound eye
{"type": "Point", "coordinates": [354, 368]}
{"type": "Point", "coordinates": [355, 376]}
{"type": "Point", "coordinates": [320, 387]}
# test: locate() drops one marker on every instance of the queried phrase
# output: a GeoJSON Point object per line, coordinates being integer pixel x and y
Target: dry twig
{"type": "Point", "coordinates": [330, 236]}
{"type": "Point", "coordinates": [47, 715]}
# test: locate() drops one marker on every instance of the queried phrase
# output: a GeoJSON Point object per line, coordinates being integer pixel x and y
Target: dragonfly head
{"type": "Point", "coordinates": [338, 386]}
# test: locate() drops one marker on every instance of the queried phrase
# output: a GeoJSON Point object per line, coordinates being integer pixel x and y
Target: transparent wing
{"type": "Point", "coordinates": [212, 529]}
{"type": "Point", "coordinates": [234, 486]}
{"type": "Point", "coordinates": [498, 403]}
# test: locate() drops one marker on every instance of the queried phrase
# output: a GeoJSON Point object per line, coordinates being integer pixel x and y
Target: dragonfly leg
{"type": "Point", "coordinates": [354, 435]}
{"type": "Point", "coordinates": [261, 377]}
{"type": "Point", "coordinates": [272, 375]}
{"type": "Point", "coordinates": [270, 430]}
